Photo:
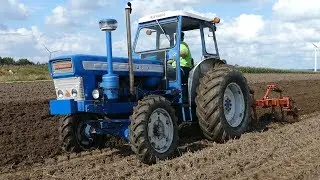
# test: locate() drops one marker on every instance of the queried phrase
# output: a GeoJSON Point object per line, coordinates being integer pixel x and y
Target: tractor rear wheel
{"type": "Point", "coordinates": [223, 103]}
{"type": "Point", "coordinates": [153, 129]}
{"type": "Point", "coordinates": [75, 133]}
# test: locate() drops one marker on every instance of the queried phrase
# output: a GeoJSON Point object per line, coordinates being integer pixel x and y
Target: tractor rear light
{"type": "Point", "coordinates": [74, 93]}
{"type": "Point", "coordinates": [60, 94]}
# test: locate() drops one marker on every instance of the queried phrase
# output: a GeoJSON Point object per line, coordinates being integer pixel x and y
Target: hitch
{"type": "Point", "coordinates": [285, 103]}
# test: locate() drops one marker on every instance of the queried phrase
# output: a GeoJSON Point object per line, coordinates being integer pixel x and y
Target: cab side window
{"type": "Point", "coordinates": [209, 40]}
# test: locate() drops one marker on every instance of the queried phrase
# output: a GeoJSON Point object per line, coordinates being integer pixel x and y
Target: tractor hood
{"type": "Point", "coordinates": [81, 65]}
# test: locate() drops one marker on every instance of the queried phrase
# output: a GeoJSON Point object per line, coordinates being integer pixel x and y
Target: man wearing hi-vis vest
{"type": "Point", "coordinates": [185, 59]}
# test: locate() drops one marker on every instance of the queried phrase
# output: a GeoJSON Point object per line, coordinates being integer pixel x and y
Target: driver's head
{"type": "Point", "coordinates": [182, 36]}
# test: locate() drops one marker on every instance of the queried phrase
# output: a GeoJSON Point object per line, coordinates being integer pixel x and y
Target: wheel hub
{"type": "Point", "coordinates": [227, 104]}
{"type": "Point", "coordinates": [84, 134]}
{"type": "Point", "coordinates": [160, 130]}
{"type": "Point", "coordinates": [233, 105]}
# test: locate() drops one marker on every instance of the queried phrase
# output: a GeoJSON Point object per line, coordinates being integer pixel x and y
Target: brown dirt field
{"type": "Point", "coordinates": [30, 150]}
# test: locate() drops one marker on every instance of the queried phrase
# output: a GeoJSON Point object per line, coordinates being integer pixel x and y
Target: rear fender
{"type": "Point", "coordinates": [197, 73]}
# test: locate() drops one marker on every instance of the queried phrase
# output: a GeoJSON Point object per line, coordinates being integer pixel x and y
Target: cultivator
{"type": "Point", "coordinates": [279, 106]}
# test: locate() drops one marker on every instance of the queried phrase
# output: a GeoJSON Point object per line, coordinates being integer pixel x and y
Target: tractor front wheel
{"type": "Point", "coordinates": [75, 135]}
{"type": "Point", "coordinates": [153, 129]}
{"type": "Point", "coordinates": [223, 103]}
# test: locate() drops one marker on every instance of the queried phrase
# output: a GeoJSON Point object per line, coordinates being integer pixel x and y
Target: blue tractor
{"type": "Point", "coordinates": [142, 98]}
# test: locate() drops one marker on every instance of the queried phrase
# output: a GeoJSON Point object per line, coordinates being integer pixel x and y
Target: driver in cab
{"type": "Point", "coordinates": [185, 59]}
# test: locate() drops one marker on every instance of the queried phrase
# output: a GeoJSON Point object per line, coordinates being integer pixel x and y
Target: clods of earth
{"type": "Point", "coordinates": [29, 146]}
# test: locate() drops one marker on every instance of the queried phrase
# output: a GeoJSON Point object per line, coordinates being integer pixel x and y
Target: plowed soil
{"type": "Point", "coordinates": [29, 146]}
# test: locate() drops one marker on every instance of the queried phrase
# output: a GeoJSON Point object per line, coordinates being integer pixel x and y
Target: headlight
{"type": "Point", "coordinates": [74, 93]}
{"type": "Point", "coordinates": [60, 94]}
{"type": "Point", "coordinates": [96, 94]}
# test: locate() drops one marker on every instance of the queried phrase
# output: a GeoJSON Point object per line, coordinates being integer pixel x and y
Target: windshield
{"type": "Point", "coordinates": [156, 37]}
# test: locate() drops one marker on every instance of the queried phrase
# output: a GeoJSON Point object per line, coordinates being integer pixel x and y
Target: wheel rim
{"type": "Point", "coordinates": [160, 130]}
{"type": "Point", "coordinates": [233, 105]}
{"type": "Point", "coordinates": [84, 137]}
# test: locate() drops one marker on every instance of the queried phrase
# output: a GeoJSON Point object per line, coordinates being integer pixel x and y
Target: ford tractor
{"type": "Point", "coordinates": [143, 98]}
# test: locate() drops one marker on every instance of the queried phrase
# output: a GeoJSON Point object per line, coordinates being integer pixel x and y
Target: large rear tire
{"type": "Point", "coordinates": [153, 129]}
{"type": "Point", "coordinates": [223, 103]}
{"type": "Point", "coordinates": [74, 135]}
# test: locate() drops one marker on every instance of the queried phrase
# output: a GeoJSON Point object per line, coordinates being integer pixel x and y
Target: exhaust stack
{"type": "Point", "coordinates": [128, 25]}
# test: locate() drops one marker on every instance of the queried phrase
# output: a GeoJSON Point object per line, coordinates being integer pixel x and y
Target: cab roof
{"type": "Point", "coordinates": [168, 14]}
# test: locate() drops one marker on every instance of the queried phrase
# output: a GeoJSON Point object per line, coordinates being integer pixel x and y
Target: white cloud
{"type": "Point", "coordinates": [60, 17]}
{"type": "Point", "coordinates": [250, 40]}
{"type": "Point", "coordinates": [12, 10]}
{"type": "Point", "coordinates": [19, 40]}
{"type": "Point", "coordinates": [155, 6]}
{"type": "Point", "coordinates": [247, 39]}
{"type": "Point", "coordinates": [28, 43]}
{"type": "Point", "coordinates": [245, 27]}
{"type": "Point", "coordinates": [70, 14]}
{"type": "Point", "coordinates": [254, 40]}
{"type": "Point", "coordinates": [296, 10]}
{"type": "Point", "coordinates": [87, 5]}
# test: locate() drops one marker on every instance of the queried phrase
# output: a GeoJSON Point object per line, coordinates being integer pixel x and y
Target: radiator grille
{"type": "Point", "coordinates": [67, 84]}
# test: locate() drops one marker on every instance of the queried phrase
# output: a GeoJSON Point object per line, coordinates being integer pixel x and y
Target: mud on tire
{"type": "Point", "coordinates": [212, 103]}
{"type": "Point", "coordinates": [153, 118]}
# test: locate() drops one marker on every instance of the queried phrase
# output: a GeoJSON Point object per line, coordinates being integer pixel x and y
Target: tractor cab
{"type": "Point", "coordinates": [159, 37]}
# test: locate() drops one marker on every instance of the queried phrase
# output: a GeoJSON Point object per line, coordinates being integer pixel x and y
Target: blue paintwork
{"type": "Point", "coordinates": [69, 106]}
{"type": "Point", "coordinates": [175, 50]}
{"type": "Point", "coordinates": [110, 85]}
{"type": "Point", "coordinates": [113, 108]}
{"type": "Point", "coordinates": [77, 60]}
{"type": "Point", "coordinates": [63, 107]}
{"type": "Point", "coordinates": [116, 127]}
{"type": "Point", "coordinates": [89, 76]}
{"type": "Point", "coordinates": [110, 82]}
{"type": "Point", "coordinates": [109, 52]}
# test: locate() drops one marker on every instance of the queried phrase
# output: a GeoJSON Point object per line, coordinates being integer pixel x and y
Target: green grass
{"type": "Point", "coordinates": [270, 70]}
{"type": "Point", "coordinates": [24, 73]}
{"type": "Point", "coordinates": [41, 72]}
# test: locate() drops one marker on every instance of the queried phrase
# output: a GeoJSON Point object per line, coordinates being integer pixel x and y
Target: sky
{"type": "Point", "coordinates": [260, 33]}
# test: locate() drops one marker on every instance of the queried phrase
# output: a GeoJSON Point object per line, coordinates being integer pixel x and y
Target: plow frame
{"type": "Point", "coordinates": [284, 103]}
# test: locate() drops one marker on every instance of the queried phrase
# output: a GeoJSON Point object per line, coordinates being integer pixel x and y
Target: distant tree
{"type": "Point", "coordinates": [7, 61]}
{"type": "Point", "coordinates": [24, 62]}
